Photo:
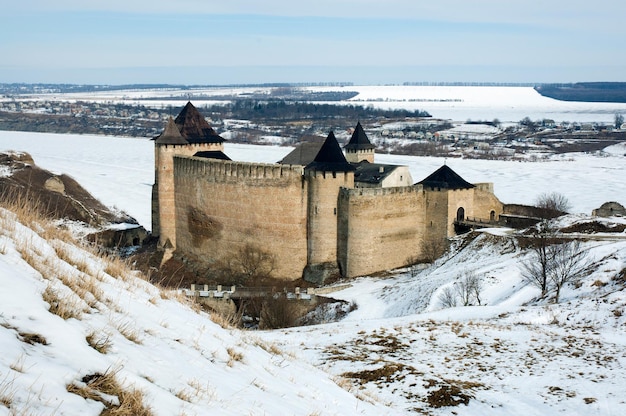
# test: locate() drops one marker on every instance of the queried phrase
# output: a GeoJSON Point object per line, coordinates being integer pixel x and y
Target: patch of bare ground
{"type": "Point", "coordinates": [594, 227]}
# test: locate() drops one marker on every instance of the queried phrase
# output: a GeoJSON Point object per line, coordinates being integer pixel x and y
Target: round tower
{"type": "Point", "coordinates": [166, 145]}
{"type": "Point", "coordinates": [328, 172]}
{"type": "Point", "coordinates": [188, 135]}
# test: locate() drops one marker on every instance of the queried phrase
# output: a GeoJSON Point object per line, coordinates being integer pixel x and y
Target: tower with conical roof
{"type": "Point", "coordinates": [186, 135]}
{"type": "Point", "coordinates": [359, 148]}
{"type": "Point", "coordinates": [328, 172]}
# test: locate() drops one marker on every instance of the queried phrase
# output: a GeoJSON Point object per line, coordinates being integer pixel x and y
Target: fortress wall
{"type": "Point", "coordinates": [221, 206]}
{"type": "Point", "coordinates": [163, 210]}
{"type": "Point", "coordinates": [485, 201]}
{"type": "Point", "coordinates": [379, 228]}
{"type": "Point", "coordinates": [460, 198]}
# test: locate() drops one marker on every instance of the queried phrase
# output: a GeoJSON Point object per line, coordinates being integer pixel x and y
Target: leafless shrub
{"type": "Point", "coordinates": [277, 312]}
{"type": "Point", "coordinates": [554, 263]}
{"type": "Point", "coordinates": [249, 263]}
{"type": "Point", "coordinates": [465, 291]}
{"type": "Point", "coordinates": [570, 262]}
{"type": "Point", "coordinates": [447, 298]}
{"type": "Point", "coordinates": [412, 263]}
{"type": "Point", "coordinates": [536, 270]}
{"type": "Point", "coordinates": [433, 248]}
{"type": "Point", "coordinates": [553, 204]}
{"type": "Point", "coordinates": [468, 289]}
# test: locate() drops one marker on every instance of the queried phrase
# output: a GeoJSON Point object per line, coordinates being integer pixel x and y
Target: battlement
{"type": "Point", "coordinates": [485, 186]}
{"type": "Point", "coordinates": [346, 192]}
{"type": "Point", "coordinates": [227, 169]}
{"type": "Point", "coordinates": [324, 174]}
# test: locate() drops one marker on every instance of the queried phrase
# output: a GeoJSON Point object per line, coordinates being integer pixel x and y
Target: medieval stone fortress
{"type": "Point", "coordinates": [317, 213]}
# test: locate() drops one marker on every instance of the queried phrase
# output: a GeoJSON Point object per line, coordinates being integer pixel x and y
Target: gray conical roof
{"type": "Point", "coordinates": [171, 134]}
{"type": "Point", "coordinates": [359, 140]}
{"type": "Point", "coordinates": [445, 178]}
{"type": "Point", "coordinates": [330, 158]}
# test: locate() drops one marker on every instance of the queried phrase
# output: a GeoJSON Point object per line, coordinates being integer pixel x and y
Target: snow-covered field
{"type": "Point", "coordinates": [120, 171]}
{"type": "Point", "coordinates": [457, 103]}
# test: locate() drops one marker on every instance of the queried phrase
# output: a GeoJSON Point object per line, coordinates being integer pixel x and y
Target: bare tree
{"type": "Point", "coordinates": [413, 264]}
{"type": "Point", "coordinates": [618, 121]}
{"type": "Point", "coordinates": [468, 289]}
{"type": "Point", "coordinates": [553, 201]}
{"type": "Point", "coordinates": [465, 291]}
{"type": "Point", "coordinates": [249, 263]}
{"type": "Point", "coordinates": [433, 248]}
{"type": "Point", "coordinates": [569, 263]}
{"type": "Point", "coordinates": [553, 262]}
{"type": "Point", "coordinates": [447, 298]}
{"type": "Point", "coordinates": [536, 269]}
{"type": "Point", "coordinates": [254, 263]}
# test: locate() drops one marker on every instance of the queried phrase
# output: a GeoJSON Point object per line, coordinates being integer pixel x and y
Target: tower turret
{"type": "Point", "coordinates": [187, 135]}
{"type": "Point", "coordinates": [328, 172]}
{"type": "Point", "coordinates": [359, 147]}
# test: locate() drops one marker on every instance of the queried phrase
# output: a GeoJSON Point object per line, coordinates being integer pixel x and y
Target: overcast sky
{"type": "Point", "coordinates": [360, 41]}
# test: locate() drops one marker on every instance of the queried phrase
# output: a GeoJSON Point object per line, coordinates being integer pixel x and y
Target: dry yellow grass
{"type": "Point", "coordinates": [97, 386]}
{"type": "Point", "coordinates": [66, 306]}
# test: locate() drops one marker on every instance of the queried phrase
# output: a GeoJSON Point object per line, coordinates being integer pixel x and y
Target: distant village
{"type": "Point", "coordinates": [390, 133]}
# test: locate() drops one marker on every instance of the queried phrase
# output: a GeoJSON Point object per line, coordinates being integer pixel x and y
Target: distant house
{"type": "Point", "coordinates": [610, 209]}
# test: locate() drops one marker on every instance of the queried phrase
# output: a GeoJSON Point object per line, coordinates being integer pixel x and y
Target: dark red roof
{"type": "Point", "coordinates": [194, 128]}
{"type": "Point", "coordinates": [171, 135]}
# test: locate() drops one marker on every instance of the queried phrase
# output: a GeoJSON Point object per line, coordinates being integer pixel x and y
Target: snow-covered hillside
{"type": "Point", "coordinates": [69, 317]}
{"type": "Point", "coordinates": [400, 352]}
{"type": "Point", "coordinates": [517, 354]}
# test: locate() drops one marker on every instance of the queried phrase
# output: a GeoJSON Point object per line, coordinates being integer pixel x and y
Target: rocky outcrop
{"type": "Point", "coordinates": [61, 197]}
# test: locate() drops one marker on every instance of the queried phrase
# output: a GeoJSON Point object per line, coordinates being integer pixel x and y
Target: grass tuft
{"type": "Point", "coordinates": [99, 342]}
{"type": "Point", "coordinates": [97, 386]}
{"type": "Point", "coordinates": [66, 307]}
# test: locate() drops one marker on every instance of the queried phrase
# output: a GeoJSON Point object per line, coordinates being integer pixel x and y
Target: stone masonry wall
{"type": "Point", "coordinates": [379, 228]}
{"type": "Point", "coordinates": [222, 206]}
{"type": "Point", "coordinates": [163, 206]}
{"type": "Point", "coordinates": [485, 201]}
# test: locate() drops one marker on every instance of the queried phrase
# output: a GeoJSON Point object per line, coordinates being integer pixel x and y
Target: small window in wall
{"type": "Point", "coordinates": [335, 211]}
{"type": "Point", "coordinates": [400, 177]}
{"type": "Point", "coordinates": [492, 216]}
{"type": "Point", "coordinates": [315, 209]}
{"type": "Point", "coordinates": [334, 174]}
